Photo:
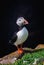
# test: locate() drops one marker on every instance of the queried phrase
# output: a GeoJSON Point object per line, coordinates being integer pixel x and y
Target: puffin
{"type": "Point", "coordinates": [21, 36]}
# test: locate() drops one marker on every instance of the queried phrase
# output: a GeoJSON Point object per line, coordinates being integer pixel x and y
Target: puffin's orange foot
{"type": "Point", "coordinates": [20, 50]}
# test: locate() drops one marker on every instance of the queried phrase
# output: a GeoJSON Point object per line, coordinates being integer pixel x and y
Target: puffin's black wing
{"type": "Point", "coordinates": [13, 39]}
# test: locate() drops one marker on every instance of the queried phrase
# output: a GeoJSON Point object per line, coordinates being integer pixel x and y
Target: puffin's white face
{"type": "Point", "coordinates": [21, 21]}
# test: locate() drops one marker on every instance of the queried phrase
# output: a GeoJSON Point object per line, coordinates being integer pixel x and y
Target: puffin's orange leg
{"type": "Point", "coordinates": [20, 50]}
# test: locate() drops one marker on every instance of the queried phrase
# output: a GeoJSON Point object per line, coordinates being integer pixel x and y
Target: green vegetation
{"type": "Point", "coordinates": [29, 58]}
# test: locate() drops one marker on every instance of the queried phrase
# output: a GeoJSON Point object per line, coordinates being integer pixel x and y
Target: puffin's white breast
{"type": "Point", "coordinates": [22, 36]}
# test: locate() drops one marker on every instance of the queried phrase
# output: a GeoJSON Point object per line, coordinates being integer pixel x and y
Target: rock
{"type": "Point", "coordinates": [10, 58]}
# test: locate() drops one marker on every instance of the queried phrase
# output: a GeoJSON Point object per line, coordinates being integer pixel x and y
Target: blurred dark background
{"type": "Point", "coordinates": [10, 11]}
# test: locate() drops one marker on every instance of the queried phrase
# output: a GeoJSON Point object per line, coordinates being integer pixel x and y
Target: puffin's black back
{"type": "Point", "coordinates": [13, 38]}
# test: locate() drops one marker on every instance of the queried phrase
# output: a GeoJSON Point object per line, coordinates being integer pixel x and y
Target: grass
{"type": "Point", "coordinates": [29, 58]}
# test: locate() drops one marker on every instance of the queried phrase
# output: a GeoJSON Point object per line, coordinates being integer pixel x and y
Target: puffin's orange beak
{"type": "Point", "coordinates": [26, 22]}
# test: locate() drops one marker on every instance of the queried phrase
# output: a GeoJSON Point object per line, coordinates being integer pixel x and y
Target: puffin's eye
{"type": "Point", "coordinates": [19, 20]}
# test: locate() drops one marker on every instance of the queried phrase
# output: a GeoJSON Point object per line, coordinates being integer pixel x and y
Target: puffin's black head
{"type": "Point", "coordinates": [21, 22]}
